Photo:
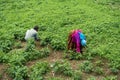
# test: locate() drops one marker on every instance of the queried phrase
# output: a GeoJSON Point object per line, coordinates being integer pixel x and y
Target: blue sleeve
{"type": "Point", "coordinates": [82, 36]}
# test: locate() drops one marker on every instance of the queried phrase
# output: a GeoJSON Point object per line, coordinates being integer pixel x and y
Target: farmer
{"type": "Point", "coordinates": [76, 41]}
{"type": "Point", "coordinates": [32, 33]}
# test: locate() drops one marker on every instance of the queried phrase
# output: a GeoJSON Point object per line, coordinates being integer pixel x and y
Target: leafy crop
{"type": "Point", "coordinates": [98, 70]}
{"type": "Point", "coordinates": [17, 72]}
{"type": "Point", "coordinates": [45, 52]}
{"type": "Point", "coordinates": [2, 55]}
{"type": "Point", "coordinates": [77, 75]}
{"type": "Point", "coordinates": [35, 54]}
{"type": "Point", "coordinates": [16, 59]}
{"type": "Point", "coordinates": [73, 55]}
{"type": "Point", "coordinates": [91, 78]}
{"type": "Point", "coordinates": [46, 38]}
{"type": "Point", "coordinates": [57, 43]}
{"type": "Point", "coordinates": [62, 67]}
{"type": "Point", "coordinates": [99, 63]}
{"type": "Point", "coordinates": [86, 66]}
{"type": "Point", "coordinates": [114, 63]}
{"type": "Point", "coordinates": [99, 20]}
{"type": "Point", "coordinates": [37, 71]}
{"type": "Point", "coordinates": [17, 45]}
{"type": "Point", "coordinates": [110, 78]}
{"type": "Point", "coordinates": [6, 45]}
{"type": "Point", "coordinates": [30, 45]}
{"type": "Point", "coordinates": [19, 34]}
{"type": "Point", "coordinates": [54, 78]}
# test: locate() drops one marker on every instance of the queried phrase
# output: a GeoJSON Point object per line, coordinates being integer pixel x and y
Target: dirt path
{"type": "Point", "coordinates": [1, 69]}
{"type": "Point", "coordinates": [3, 74]}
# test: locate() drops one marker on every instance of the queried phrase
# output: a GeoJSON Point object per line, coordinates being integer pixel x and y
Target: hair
{"type": "Point", "coordinates": [36, 28]}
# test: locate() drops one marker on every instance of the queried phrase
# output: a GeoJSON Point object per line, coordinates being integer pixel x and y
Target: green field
{"type": "Point", "coordinates": [48, 59]}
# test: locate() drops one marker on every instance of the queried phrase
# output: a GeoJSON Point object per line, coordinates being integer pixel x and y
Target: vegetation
{"type": "Point", "coordinates": [98, 19]}
{"type": "Point", "coordinates": [38, 70]}
{"type": "Point", "coordinates": [62, 67]}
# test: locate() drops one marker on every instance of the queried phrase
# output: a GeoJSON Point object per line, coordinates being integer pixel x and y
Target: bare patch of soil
{"type": "Point", "coordinates": [4, 75]}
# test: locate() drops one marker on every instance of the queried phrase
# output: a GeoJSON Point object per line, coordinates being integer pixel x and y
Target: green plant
{"type": "Point", "coordinates": [54, 78]}
{"type": "Point", "coordinates": [1, 57]}
{"type": "Point", "coordinates": [6, 45]}
{"type": "Point", "coordinates": [91, 78]}
{"type": "Point", "coordinates": [35, 54]}
{"type": "Point", "coordinates": [77, 75]}
{"type": "Point", "coordinates": [62, 67]}
{"type": "Point", "coordinates": [19, 34]}
{"type": "Point", "coordinates": [16, 59]}
{"type": "Point", "coordinates": [73, 55]}
{"type": "Point", "coordinates": [110, 78]}
{"type": "Point", "coordinates": [30, 45]}
{"type": "Point", "coordinates": [43, 43]}
{"type": "Point", "coordinates": [88, 56]}
{"type": "Point", "coordinates": [38, 70]}
{"type": "Point", "coordinates": [17, 72]}
{"type": "Point", "coordinates": [86, 66]}
{"type": "Point", "coordinates": [46, 38]}
{"type": "Point", "coordinates": [57, 43]}
{"type": "Point", "coordinates": [98, 70]}
{"type": "Point", "coordinates": [114, 70]}
{"type": "Point", "coordinates": [18, 45]}
{"type": "Point", "coordinates": [45, 52]}
{"type": "Point", "coordinates": [99, 63]}
{"type": "Point", "coordinates": [114, 66]}
{"type": "Point", "coordinates": [56, 19]}
{"type": "Point", "coordinates": [0, 76]}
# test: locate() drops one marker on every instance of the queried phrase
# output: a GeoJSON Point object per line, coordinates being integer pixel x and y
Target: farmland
{"type": "Point", "coordinates": [48, 59]}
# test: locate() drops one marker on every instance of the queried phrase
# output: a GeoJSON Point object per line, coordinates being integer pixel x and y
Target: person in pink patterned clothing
{"type": "Point", "coordinates": [74, 41]}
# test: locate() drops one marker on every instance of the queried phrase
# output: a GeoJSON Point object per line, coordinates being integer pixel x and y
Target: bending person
{"type": "Point", "coordinates": [32, 33]}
